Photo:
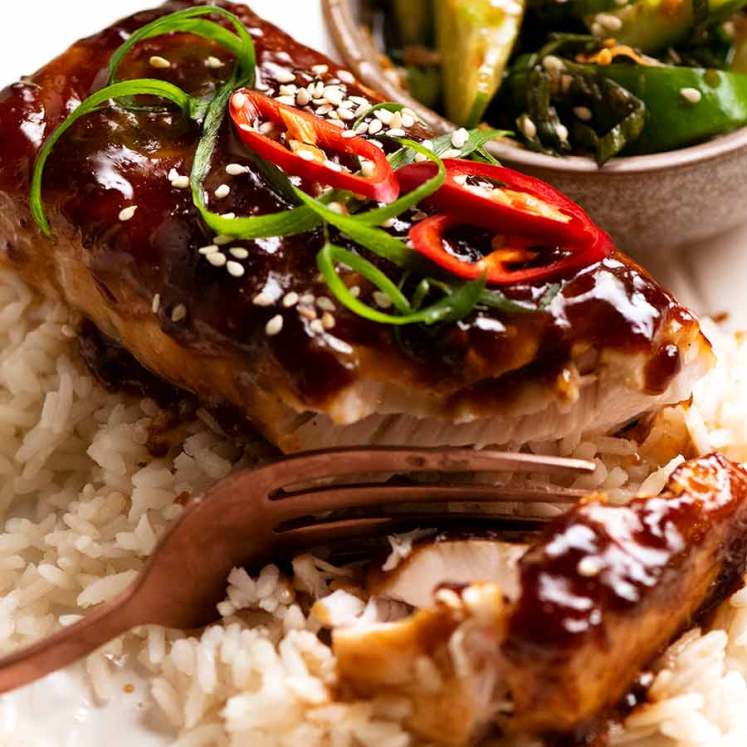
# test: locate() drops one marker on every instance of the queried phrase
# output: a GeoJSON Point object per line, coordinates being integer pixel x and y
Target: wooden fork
{"type": "Point", "coordinates": [254, 516]}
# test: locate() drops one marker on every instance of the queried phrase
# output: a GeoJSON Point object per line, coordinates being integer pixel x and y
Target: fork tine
{"type": "Point", "coordinates": [335, 497]}
{"type": "Point", "coordinates": [330, 463]}
{"type": "Point", "coordinates": [331, 532]}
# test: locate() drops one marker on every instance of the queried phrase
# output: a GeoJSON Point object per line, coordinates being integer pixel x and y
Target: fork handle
{"type": "Point", "coordinates": [103, 624]}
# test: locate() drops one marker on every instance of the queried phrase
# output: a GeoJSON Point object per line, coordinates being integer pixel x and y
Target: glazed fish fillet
{"type": "Point", "coordinates": [591, 604]}
{"type": "Point", "coordinates": [611, 345]}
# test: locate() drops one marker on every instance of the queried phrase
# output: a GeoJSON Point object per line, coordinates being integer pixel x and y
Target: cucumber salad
{"type": "Point", "coordinates": [590, 77]}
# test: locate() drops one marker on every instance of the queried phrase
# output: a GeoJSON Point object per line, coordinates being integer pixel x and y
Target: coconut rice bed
{"type": "Point", "coordinates": [84, 502]}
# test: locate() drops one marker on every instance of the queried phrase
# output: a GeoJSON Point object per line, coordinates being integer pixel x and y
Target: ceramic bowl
{"type": "Point", "coordinates": [648, 203]}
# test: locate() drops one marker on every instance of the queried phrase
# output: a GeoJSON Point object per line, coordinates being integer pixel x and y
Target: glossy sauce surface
{"type": "Point", "coordinates": [114, 159]}
{"type": "Point", "coordinates": [600, 560]}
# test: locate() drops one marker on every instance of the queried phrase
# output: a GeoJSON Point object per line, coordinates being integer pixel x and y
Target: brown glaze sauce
{"type": "Point", "coordinates": [600, 558]}
{"type": "Point", "coordinates": [115, 158]}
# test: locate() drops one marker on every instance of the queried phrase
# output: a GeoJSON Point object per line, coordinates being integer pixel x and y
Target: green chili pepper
{"type": "Point", "coordinates": [684, 106]}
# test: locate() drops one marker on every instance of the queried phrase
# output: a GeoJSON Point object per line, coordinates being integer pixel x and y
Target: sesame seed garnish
{"type": "Point", "coordinates": [328, 321]}
{"type": "Point", "coordinates": [283, 75]}
{"type": "Point", "coordinates": [287, 100]}
{"type": "Point", "coordinates": [553, 65]}
{"type": "Point", "coordinates": [209, 249]}
{"type": "Point", "coordinates": [127, 213]}
{"type": "Point", "coordinates": [608, 22]}
{"type": "Point", "coordinates": [334, 95]}
{"type": "Point", "coordinates": [222, 240]}
{"type": "Point", "coordinates": [527, 126]}
{"type": "Point", "coordinates": [178, 313]}
{"type": "Point", "coordinates": [691, 95]}
{"type": "Point", "coordinates": [325, 304]}
{"type": "Point", "coordinates": [348, 134]}
{"type": "Point", "coordinates": [263, 299]}
{"type": "Point", "coordinates": [319, 69]}
{"type": "Point", "coordinates": [284, 56]}
{"type": "Point", "coordinates": [235, 268]}
{"type": "Point", "coordinates": [355, 291]}
{"type": "Point", "coordinates": [562, 131]}
{"type": "Point", "coordinates": [396, 132]}
{"type": "Point", "coordinates": [274, 326]}
{"type": "Point", "coordinates": [316, 326]}
{"type": "Point", "coordinates": [590, 566]}
{"type": "Point", "coordinates": [583, 113]}
{"type": "Point", "coordinates": [214, 63]}
{"type": "Point", "coordinates": [375, 126]}
{"type": "Point", "coordinates": [178, 181]}
{"type": "Point", "coordinates": [290, 299]}
{"type": "Point", "coordinates": [159, 62]}
{"type": "Point", "coordinates": [239, 100]}
{"type": "Point", "coordinates": [384, 115]}
{"type": "Point", "coordinates": [239, 252]}
{"type": "Point", "coordinates": [459, 138]}
{"type": "Point", "coordinates": [216, 259]}
{"type": "Point", "coordinates": [382, 300]}
{"type": "Point", "coordinates": [156, 304]}
{"type": "Point", "coordinates": [223, 191]}
{"type": "Point", "coordinates": [346, 76]}
{"type": "Point", "coordinates": [307, 312]}
{"type": "Point", "coordinates": [308, 298]}
{"type": "Point", "coordinates": [396, 120]}
{"type": "Point", "coordinates": [288, 89]}
{"type": "Point", "coordinates": [236, 169]}
{"type": "Point", "coordinates": [303, 97]}
{"type": "Point", "coordinates": [408, 118]}
{"type": "Point", "coordinates": [451, 153]}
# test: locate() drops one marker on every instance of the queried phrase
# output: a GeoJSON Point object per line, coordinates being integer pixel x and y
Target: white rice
{"type": "Point", "coordinates": [83, 503]}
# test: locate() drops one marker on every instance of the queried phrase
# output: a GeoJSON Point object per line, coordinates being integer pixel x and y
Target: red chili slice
{"type": "Point", "coordinates": [509, 202]}
{"type": "Point", "coordinates": [308, 137]}
{"type": "Point", "coordinates": [429, 238]}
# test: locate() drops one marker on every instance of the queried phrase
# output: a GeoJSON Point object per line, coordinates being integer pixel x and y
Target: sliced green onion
{"type": "Point", "coordinates": [377, 216]}
{"type": "Point", "coordinates": [478, 138]}
{"type": "Point", "coordinates": [374, 239]}
{"type": "Point", "coordinates": [124, 89]}
{"type": "Point", "coordinates": [452, 307]}
{"type": "Point", "coordinates": [389, 106]}
{"type": "Point", "coordinates": [240, 44]}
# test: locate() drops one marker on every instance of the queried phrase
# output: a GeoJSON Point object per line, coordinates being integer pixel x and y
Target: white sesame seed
{"type": "Point", "coordinates": [223, 191]}
{"type": "Point", "coordinates": [553, 65]}
{"type": "Point", "coordinates": [308, 298]}
{"type": "Point", "coordinates": [328, 321]}
{"type": "Point", "coordinates": [180, 182]}
{"type": "Point", "coordinates": [239, 100]}
{"type": "Point", "coordinates": [209, 249]}
{"type": "Point", "coordinates": [345, 114]}
{"type": "Point", "coordinates": [284, 56]}
{"type": "Point", "coordinates": [608, 21]}
{"type": "Point", "coordinates": [325, 304]}
{"type": "Point", "coordinates": [384, 115]}
{"type": "Point", "coordinates": [396, 121]}
{"type": "Point", "coordinates": [263, 299]}
{"type": "Point", "coordinates": [239, 252]}
{"type": "Point", "coordinates": [178, 313]}
{"type": "Point", "coordinates": [562, 131]}
{"type": "Point", "coordinates": [156, 304]}
{"type": "Point", "coordinates": [408, 120]}
{"type": "Point", "coordinates": [348, 134]}
{"type": "Point", "coordinates": [346, 76]}
{"type": "Point", "coordinates": [583, 113]}
{"type": "Point", "coordinates": [283, 75]}
{"type": "Point", "coordinates": [286, 100]}
{"type": "Point", "coordinates": [527, 126]}
{"type": "Point", "coordinates": [274, 326]}
{"type": "Point", "coordinates": [290, 299]}
{"type": "Point", "coordinates": [451, 153]}
{"type": "Point", "coordinates": [316, 326]}
{"type": "Point", "coordinates": [377, 143]}
{"type": "Point", "coordinates": [159, 62]}
{"type": "Point", "coordinates": [289, 89]}
{"type": "Point", "coordinates": [590, 566]}
{"type": "Point", "coordinates": [303, 97]}
{"type": "Point", "coordinates": [396, 132]}
{"type": "Point", "coordinates": [334, 95]}
{"type": "Point", "coordinates": [214, 63]}
{"type": "Point", "coordinates": [319, 69]}
{"type": "Point", "coordinates": [236, 169]}
{"type": "Point", "coordinates": [127, 213]}
{"type": "Point", "coordinates": [691, 95]}
{"type": "Point", "coordinates": [367, 167]}
{"type": "Point", "coordinates": [427, 144]}
{"type": "Point", "coordinates": [235, 269]}
{"type": "Point", "coordinates": [382, 300]}
{"type": "Point", "coordinates": [375, 126]}
{"type": "Point", "coordinates": [355, 291]}
{"type": "Point", "coordinates": [337, 207]}
{"type": "Point", "coordinates": [221, 239]}
{"type": "Point", "coordinates": [307, 312]}
{"type": "Point", "coordinates": [216, 259]}
{"type": "Point", "coordinates": [459, 138]}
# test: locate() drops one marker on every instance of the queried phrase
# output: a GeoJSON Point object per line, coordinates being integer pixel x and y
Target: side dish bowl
{"type": "Point", "coordinates": [648, 203]}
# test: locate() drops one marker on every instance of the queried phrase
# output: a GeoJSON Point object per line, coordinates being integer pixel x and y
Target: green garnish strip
{"type": "Point", "coordinates": [456, 302]}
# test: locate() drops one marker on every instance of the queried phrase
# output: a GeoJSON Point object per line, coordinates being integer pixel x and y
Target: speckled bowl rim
{"type": "Point", "coordinates": [361, 56]}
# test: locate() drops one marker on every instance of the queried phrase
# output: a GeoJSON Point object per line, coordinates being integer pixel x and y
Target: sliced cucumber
{"type": "Point", "coordinates": [475, 39]}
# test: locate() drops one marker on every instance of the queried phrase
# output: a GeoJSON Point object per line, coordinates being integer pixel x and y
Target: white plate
{"type": "Point", "coordinates": [60, 710]}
